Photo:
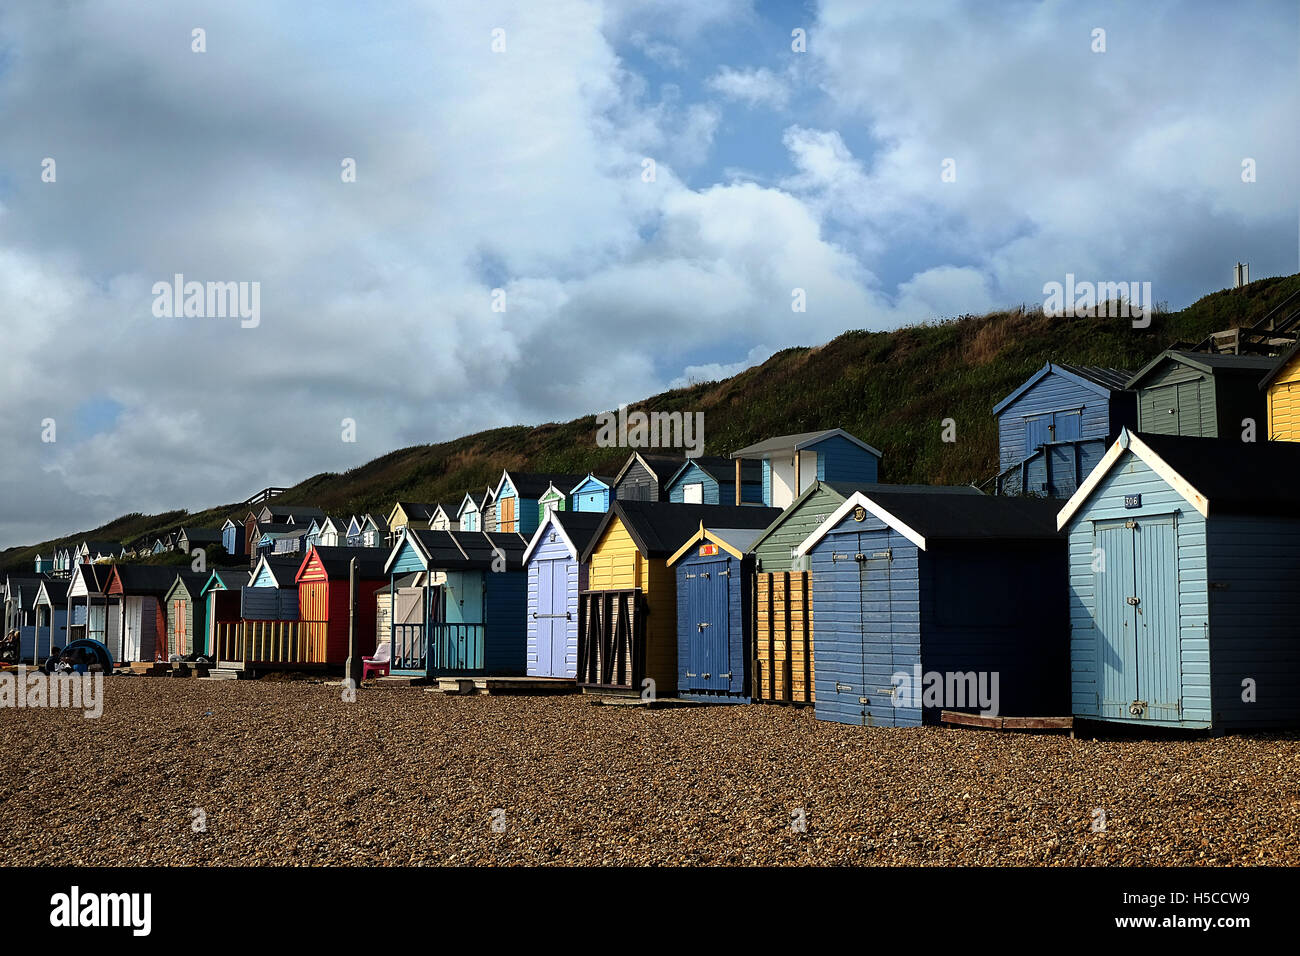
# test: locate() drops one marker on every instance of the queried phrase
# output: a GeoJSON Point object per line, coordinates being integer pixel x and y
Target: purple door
{"type": "Point", "coordinates": [553, 620]}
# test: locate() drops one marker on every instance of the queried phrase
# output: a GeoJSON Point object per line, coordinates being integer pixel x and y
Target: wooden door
{"type": "Point", "coordinates": [313, 609]}
{"type": "Point", "coordinates": [507, 522]}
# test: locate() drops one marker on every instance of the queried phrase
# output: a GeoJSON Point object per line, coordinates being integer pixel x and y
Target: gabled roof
{"type": "Point", "coordinates": [1213, 475]}
{"type": "Point", "coordinates": [337, 562]}
{"type": "Point", "coordinates": [232, 523]}
{"type": "Point", "coordinates": [226, 579]}
{"type": "Point", "coordinates": [1282, 361]}
{"type": "Point", "coordinates": [735, 541]}
{"type": "Point", "coordinates": [1209, 362]}
{"type": "Point", "coordinates": [283, 569]}
{"type": "Point", "coordinates": [925, 517]}
{"type": "Point", "coordinates": [843, 489]}
{"type": "Point", "coordinates": [414, 511]}
{"type": "Point", "coordinates": [721, 469]}
{"type": "Point", "coordinates": [52, 593]}
{"type": "Point", "coordinates": [460, 550]}
{"type": "Point", "coordinates": [605, 480]}
{"type": "Point", "coordinates": [468, 500]}
{"type": "Point", "coordinates": [575, 528]}
{"type": "Point", "coordinates": [95, 576]}
{"type": "Point", "coordinates": [533, 484]}
{"type": "Point", "coordinates": [658, 528]}
{"type": "Point", "coordinates": [191, 581]}
{"type": "Point", "coordinates": [1095, 378]}
{"type": "Point", "coordinates": [285, 512]}
{"type": "Point", "coordinates": [101, 547]}
{"type": "Point", "coordinates": [662, 467]}
{"type": "Point", "coordinates": [440, 508]}
{"type": "Point", "coordinates": [202, 535]}
{"type": "Point", "coordinates": [370, 520]}
{"type": "Point", "coordinates": [793, 443]}
{"type": "Point", "coordinates": [142, 580]}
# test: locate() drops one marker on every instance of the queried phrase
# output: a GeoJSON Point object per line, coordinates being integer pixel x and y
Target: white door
{"type": "Point", "coordinates": [132, 621]}
{"type": "Point", "coordinates": [693, 494]}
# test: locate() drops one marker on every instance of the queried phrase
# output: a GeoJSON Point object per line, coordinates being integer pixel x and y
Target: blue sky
{"type": "Point", "coordinates": [521, 170]}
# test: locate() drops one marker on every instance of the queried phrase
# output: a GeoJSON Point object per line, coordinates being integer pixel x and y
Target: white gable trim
{"type": "Point", "coordinates": [855, 500]}
{"type": "Point", "coordinates": [1130, 442]}
{"type": "Point", "coordinates": [541, 530]}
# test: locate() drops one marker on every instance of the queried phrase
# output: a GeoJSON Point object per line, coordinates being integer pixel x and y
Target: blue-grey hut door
{"type": "Point", "coordinates": [552, 617]}
{"type": "Point", "coordinates": [1137, 619]}
{"type": "Point", "coordinates": [875, 588]}
{"type": "Point", "coordinates": [709, 617]}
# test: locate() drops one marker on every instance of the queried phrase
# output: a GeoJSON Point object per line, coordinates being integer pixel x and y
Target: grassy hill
{"type": "Point", "coordinates": [892, 389]}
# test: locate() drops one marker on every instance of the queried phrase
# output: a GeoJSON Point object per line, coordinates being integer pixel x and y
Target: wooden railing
{"type": "Point", "coordinates": [270, 642]}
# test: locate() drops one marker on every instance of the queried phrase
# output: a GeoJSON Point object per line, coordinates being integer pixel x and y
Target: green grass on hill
{"type": "Point", "coordinates": [891, 389]}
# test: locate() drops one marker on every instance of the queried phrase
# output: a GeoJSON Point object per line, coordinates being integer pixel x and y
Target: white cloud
{"type": "Point", "coordinates": [756, 87]}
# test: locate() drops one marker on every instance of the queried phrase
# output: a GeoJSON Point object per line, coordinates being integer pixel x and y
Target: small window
{"type": "Point", "coordinates": [693, 494]}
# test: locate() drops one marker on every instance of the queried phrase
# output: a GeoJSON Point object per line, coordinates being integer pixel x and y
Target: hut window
{"type": "Point", "coordinates": [693, 494]}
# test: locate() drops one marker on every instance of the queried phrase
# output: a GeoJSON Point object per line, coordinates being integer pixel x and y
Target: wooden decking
{"type": "Point", "coordinates": [961, 719]}
{"type": "Point", "coordinates": [507, 685]}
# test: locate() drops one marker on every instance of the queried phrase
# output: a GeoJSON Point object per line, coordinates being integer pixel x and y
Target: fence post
{"type": "Point", "coordinates": [352, 667]}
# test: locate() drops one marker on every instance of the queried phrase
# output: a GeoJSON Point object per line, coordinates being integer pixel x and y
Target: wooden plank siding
{"type": "Point", "coordinates": [783, 668]}
{"type": "Point", "coordinates": [1284, 403]}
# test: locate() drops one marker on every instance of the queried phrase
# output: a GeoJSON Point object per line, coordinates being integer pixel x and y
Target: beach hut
{"type": "Point", "coordinates": [440, 519]}
{"type": "Point", "coordinates": [190, 538]}
{"type": "Point", "coordinates": [333, 533]}
{"type": "Point", "coordinates": [627, 616]}
{"type": "Point", "coordinates": [938, 601]}
{"type": "Point", "coordinates": [791, 463]}
{"type": "Point", "coordinates": [51, 618]}
{"type": "Point", "coordinates": [1201, 395]}
{"type": "Point", "coordinates": [186, 613]}
{"type": "Point", "coordinates": [20, 611]}
{"type": "Point", "coordinates": [324, 600]}
{"type": "Point", "coordinates": [271, 593]}
{"type": "Point", "coordinates": [413, 513]}
{"type": "Point", "coordinates": [92, 614]}
{"type": "Point", "coordinates": [92, 552]}
{"type": "Point", "coordinates": [1281, 388]}
{"type": "Point", "coordinates": [782, 637]}
{"type": "Point", "coordinates": [645, 477]}
{"type": "Point", "coordinates": [232, 538]}
{"type": "Point", "coordinates": [222, 596]}
{"type": "Point", "coordinates": [556, 576]}
{"type": "Point", "coordinates": [372, 532]}
{"type": "Point", "coordinates": [293, 541]}
{"type": "Point", "coordinates": [399, 602]}
{"type": "Point", "coordinates": [487, 509]}
{"type": "Point", "coordinates": [1055, 427]}
{"type": "Point", "coordinates": [711, 480]}
{"type": "Point", "coordinates": [551, 500]}
{"type": "Point", "coordinates": [470, 615]}
{"type": "Point", "coordinates": [44, 563]}
{"type": "Point", "coordinates": [715, 608]}
{"type": "Point", "coordinates": [1184, 557]}
{"type": "Point", "coordinates": [518, 497]}
{"type": "Point", "coordinates": [592, 494]}
{"type": "Point", "coordinates": [140, 590]}
{"type": "Point", "coordinates": [467, 515]}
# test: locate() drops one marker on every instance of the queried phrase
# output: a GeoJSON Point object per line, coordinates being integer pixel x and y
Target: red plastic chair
{"type": "Point", "coordinates": [380, 663]}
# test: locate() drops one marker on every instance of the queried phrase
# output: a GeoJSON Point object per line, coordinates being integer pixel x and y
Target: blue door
{"type": "Point", "coordinates": [878, 664]}
{"type": "Point", "coordinates": [1139, 663]}
{"type": "Point", "coordinates": [1038, 431]}
{"type": "Point", "coordinates": [708, 621]}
